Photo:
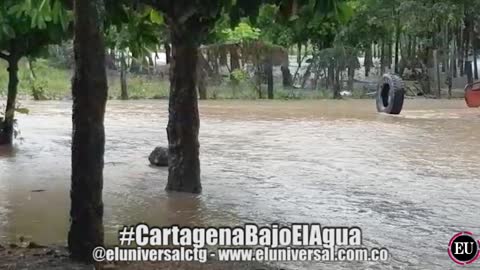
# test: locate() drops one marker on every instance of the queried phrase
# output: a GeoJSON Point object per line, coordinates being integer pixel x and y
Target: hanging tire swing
{"type": "Point", "coordinates": [390, 94]}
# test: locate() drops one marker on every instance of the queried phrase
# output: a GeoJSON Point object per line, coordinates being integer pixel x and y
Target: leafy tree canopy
{"type": "Point", "coordinates": [26, 26]}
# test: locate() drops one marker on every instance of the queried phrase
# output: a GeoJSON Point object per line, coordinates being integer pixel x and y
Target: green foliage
{"type": "Point", "coordinates": [374, 20]}
{"type": "Point", "coordinates": [273, 30]}
{"type": "Point", "coordinates": [314, 21]}
{"type": "Point", "coordinates": [42, 12]}
{"type": "Point", "coordinates": [141, 31]}
{"type": "Point", "coordinates": [243, 32]}
{"type": "Point", "coordinates": [27, 26]}
{"type": "Point", "coordinates": [38, 87]}
{"type": "Point", "coordinates": [238, 76]}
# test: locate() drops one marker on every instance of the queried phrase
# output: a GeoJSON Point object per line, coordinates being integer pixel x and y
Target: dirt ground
{"type": "Point", "coordinates": [56, 258]}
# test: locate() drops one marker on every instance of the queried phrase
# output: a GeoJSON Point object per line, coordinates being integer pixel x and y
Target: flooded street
{"type": "Point", "coordinates": [410, 181]}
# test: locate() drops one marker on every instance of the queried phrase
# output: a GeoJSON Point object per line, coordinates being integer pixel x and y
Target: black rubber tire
{"type": "Point", "coordinates": [390, 94]}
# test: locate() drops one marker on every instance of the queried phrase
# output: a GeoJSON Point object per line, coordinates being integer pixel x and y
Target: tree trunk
{"type": "Point", "coordinates": [351, 78]}
{"type": "Point", "coordinates": [135, 66]}
{"type": "Point", "coordinates": [258, 80]}
{"type": "Point", "coordinates": [168, 52]}
{"type": "Point", "coordinates": [89, 91]}
{"type": "Point", "coordinates": [430, 63]}
{"type": "Point", "coordinates": [234, 58]}
{"type": "Point", "coordinates": [473, 40]}
{"type": "Point", "coordinates": [382, 57]}
{"type": "Point", "coordinates": [222, 56]}
{"type": "Point", "coordinates": [315, 79]}
{"type": "Point", "coordinates": [33, 76]}
{"type": "Point", "coordinates": [110, 60]}
{"type": "Point", "coordinates": [202, 75]}
{"type": "Point", "coordinates": [307, 75]}
{"type": "Point", "coordinates": [409, 47]}
{"type": "Point", "coordinates": [331, 76]}
{"type": "Point", "coordinates": [397, 43]}
{"type": "Point", "coordinates": [445, 47]}
{"type": "Point", "coordinates": [460, 45]}
{"type": "Point", "coordinates": [300, 59]}
{"type": "Point", "coordinates": [123, 77]}
{"type": "Point", "coordinates": [467, 33]}
{"type": "Point", "coordinates": [468, 71]}
{"type": "Point", "coordinates": [475, 64]}
{"type": "Point", "coordinates": [299, 54]}
{"type": "Point", "coordinates": [269, 72]}
{"type": "Point", "coordinates": [286, 76]}
{"type": "Point", "coordinates": [451, 66]}
{"type": "Point", "coordinates": [368, 63]}
{"type": "Point", "coordinates": [37, 91]}
{"type": "Point", "coordinates": [437, 77]}
{"type": "Point", "coordinates": [454, 55]}
{"type": "Point", "coordinates": [414, 48]}
{"type": "Point", "coordinates": [7, 127]}
{"type": "Point", "coordinates": [336, 85]}
{"type": "Point", "coordinates": [213, 60]}
{"type": "Point", "coordinates": [151, 65]}
{"type": "Point", "coordinates": [202, 88]}
{"type": "Point", "coordinates": [184, 121]}
{"type": "Point", "coordinates": [390, 53]}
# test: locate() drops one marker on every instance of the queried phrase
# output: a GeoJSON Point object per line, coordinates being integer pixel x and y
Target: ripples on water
{"type": "Point", "coordinates": [410, 181]}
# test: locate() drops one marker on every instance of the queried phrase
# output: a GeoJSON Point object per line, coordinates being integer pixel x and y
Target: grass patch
{"type": "Point", "coordinates": [54, 82]}
{"type": "Point", "coordinates": [139, 87]}
{"type": "Point", "coordinates": [246, 90]}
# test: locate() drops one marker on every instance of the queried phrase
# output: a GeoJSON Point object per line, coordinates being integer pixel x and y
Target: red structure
{"type": "Point", "coordinates": [472, 95]}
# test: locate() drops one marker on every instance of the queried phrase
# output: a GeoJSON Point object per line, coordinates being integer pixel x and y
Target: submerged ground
{"type": "Point", "coordinates": [409, 181]}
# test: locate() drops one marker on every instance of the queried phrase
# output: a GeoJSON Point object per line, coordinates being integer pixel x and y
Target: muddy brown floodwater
{"type": "Point", "coordinates": [409, 181]}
